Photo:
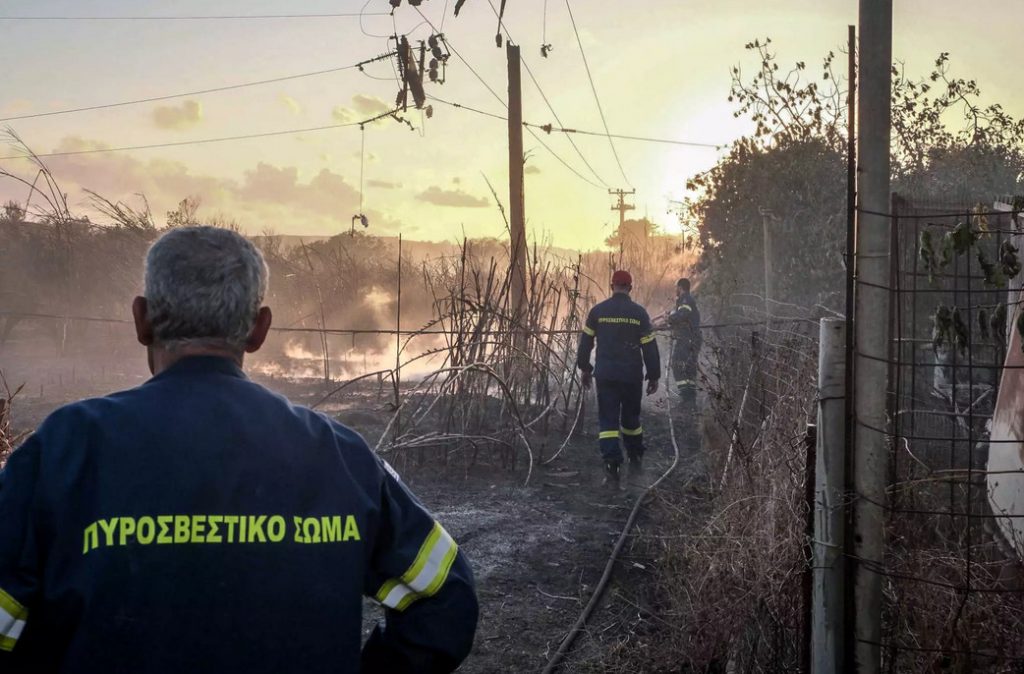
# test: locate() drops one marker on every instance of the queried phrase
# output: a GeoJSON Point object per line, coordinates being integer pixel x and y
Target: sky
{"type": "Point", "coordinates": [660, 69]}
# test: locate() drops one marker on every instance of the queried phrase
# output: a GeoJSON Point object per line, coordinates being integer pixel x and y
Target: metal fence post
{"type": "Point", "coordinates": [830, 476]}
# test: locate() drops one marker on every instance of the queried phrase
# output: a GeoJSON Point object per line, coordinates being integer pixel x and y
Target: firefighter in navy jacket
{"type": "Point", "coordinates": [625, 348]}
{"type": "Point", "coordinates": [201, 523]}
{"type": "Point", "coordinates": [684, 320]}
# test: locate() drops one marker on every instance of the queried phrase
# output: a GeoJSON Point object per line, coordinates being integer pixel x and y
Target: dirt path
{"type": "Point", "coordinates": [538, 551]}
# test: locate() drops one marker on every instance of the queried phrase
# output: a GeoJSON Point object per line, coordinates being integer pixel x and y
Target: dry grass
{"type": "Point", "coordinates": [724, 552]}
{"type": "Point", "coordinates": [8, 438]}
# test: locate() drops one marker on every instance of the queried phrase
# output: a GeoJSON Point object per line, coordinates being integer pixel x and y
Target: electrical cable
{"type": "Point", "coordinates": [198, 92]}
{"type": "Point", "coordinates": [548, 128]}
{"type": "Point", "coordinates": [505, 105]}
{"type": "Point", "coordinates": [597, 99]}
{"type": "Point", "coordinates": [202, 141]}
{"type": "Point", "coordinates": [547, 102]}
{"type": "Point", "coordinates": [191, 17]}
{"type": "Point", "coordinates": [444, 14]}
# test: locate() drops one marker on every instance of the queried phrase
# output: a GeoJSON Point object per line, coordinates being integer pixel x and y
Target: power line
{"type": "Point", "coordinates": [597, 99]}
{"type": "Point", "coordinates": [203, 141]}
{"type": "Point", "coordinates": [559, 121]}
{"type": "Point", "coordinates": [198, 92]}
{"type": "Point", "coordinates": [549, 128]}
{"type": "Point", "coordinates": [505, 105]}
{"type": "Point", "coordinates": [192, 17]}
{"type": "Point", "coordinates": [551, 108]}
{"type": "Point", "coordinates": [645, 139]}
{"type": "Point", "coordinates": [470, 108]}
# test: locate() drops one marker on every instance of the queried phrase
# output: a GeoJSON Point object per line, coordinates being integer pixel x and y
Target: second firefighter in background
{"type": "Point", "coordinates": [625, 349]}
{"type": "Point", "coordinates": [684, 319]}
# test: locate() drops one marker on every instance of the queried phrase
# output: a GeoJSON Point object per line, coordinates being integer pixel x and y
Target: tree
{"type": "Point", "coordinates": [185, 214]}
{"type": "Point", "coordinates": [793, 164]}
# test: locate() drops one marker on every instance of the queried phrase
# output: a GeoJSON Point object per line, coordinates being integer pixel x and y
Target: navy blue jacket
{"type": "Point", "coordinates": [625, 341]}
{"type": "Point", "coordinates": [201, 523]}
{"type": "Point", "coordinates": [684, 320]}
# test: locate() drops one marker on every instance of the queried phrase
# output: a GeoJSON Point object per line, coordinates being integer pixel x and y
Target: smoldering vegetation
{"type": "Point", "coordinates": [428, 330]}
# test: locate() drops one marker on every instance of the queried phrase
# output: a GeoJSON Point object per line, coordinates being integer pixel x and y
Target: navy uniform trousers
{"type": "Point", "coordinates": [684, 367]}
{"type": "Point", "coordinates": [618, 411]}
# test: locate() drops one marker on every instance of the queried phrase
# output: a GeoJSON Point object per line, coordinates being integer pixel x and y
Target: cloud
{"type": "Point", "coordinates": [293, 105]}
{"type": "Point", "coordinates": [324, 194]}
{"type": "Point", "coordinates": [342, 115]}
{"type": "Point", "coordinates": [363, 107]}
{"type": "Point", "coordinates": [265, 196]}
{"type": "Point", "coordinates": [189, 113]}
{"type": "Point", "coordinates": [383, 184]}
{"type": "Point", "coordinates": [454, 198]}
{"type": "Point", "coordinates": [369, 106]}
{"type": "Point", "coordinates": [531, 170]}
{"type": "Point", "coordinates": [18, 106]}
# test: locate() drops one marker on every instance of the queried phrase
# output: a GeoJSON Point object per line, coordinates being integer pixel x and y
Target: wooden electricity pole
{"type": "Point", "coordinates": [621, 207]}
{"type": "Point", "coordinates": [516, 192]}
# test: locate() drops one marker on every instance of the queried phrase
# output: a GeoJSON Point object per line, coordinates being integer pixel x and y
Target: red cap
{"type": "Point", "coordinates": [622, 278]}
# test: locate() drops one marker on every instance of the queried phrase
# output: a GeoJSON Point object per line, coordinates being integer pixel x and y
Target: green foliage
{"type": "Point", "coordinates": [793, 164]}
{"type": "Point", "coordinates": [994, 277]}
{"type": "Point", "coordinates": [997, 323]}
{"type": "Point", "coordinates": [949, 329]}
{"type": "Point", "coordinates": [1008, 259]}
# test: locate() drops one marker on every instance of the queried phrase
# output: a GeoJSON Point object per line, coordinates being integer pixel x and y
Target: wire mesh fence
{"type": "Point", "coordinates": [951, 575]}
{"type": "Point", "coordinates": [734, 586]}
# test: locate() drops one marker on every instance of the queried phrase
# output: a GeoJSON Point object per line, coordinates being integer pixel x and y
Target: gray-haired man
{"type": "Point", "coordinates": [201, 523]}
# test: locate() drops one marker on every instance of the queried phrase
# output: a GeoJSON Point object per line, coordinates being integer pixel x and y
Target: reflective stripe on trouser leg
{"type": "Point", "coordinates": [633, 439]}
{"type": "Point", "coordinates": [632, 431]}
{"type": "Point", "coordinates": [609, 404]}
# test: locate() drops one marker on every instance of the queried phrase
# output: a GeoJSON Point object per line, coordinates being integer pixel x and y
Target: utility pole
{"type": "Point", "coordinates": [870, 462]}
{"type": "Point", "coordinates": [516, 194]}
{"type": "Point", "coordinates": [828, 591]}
{"type": "Point", "coordinates": [769, 274]}
{"type": "Point", "coordinates": [621, 207]}
{"type": "Point", "coordinates": [517, 222]}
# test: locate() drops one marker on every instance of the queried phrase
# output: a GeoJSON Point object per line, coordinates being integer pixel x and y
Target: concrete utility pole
{"type": "Point", "coordinates": [516, 190]}
{"type": "Point", "coordinates": [827, 590]}
{"type": "Point", "coordinates": [872, 328]}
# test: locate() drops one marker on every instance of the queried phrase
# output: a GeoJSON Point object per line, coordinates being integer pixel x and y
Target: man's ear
{"type": "Point", "coordinates": [259, 330]}
{"type": "Point", "coordinates": [143, 328]}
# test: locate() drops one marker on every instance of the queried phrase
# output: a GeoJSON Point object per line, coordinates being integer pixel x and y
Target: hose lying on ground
{"type": "Point", "coordinates": [574, 632]}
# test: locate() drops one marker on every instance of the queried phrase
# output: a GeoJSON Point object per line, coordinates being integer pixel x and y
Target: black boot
{"type": "Point", "coordinates": [611, 474]}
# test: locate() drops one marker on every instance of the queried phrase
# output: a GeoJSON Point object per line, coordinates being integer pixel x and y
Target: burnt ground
{"type": "Point", "coordinates": [537, 551]}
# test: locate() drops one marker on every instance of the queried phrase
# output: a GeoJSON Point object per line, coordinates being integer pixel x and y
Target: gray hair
{"type": "Point", "coordinates": [204, 285]}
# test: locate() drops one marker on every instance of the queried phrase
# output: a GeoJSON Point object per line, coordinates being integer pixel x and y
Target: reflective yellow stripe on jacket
{"type": "Point", "coordinates": [425, 576]}
{"type": "Point", "coordinates": [12, 621]}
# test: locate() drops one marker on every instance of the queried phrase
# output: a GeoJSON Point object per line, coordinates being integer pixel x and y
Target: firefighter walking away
{"type": "Point", "coordinates": [626, 348]}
